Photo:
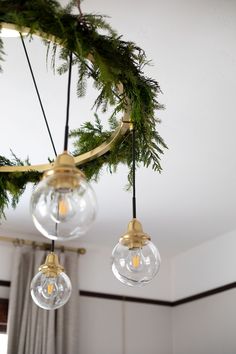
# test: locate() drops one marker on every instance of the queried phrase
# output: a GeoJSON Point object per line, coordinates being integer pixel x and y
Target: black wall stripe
{"type": "Point", "coordinates": [150, 301]}
{"type": "Point", "coordinates": [5, 283]}
{"type": "Point", "coordinates": [125, 298]}
{"type": "Point", "coordinates": [204, 294]}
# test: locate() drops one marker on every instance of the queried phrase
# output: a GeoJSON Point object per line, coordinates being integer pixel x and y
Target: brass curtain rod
{"type": "Point", "coordinates": [41, 245]}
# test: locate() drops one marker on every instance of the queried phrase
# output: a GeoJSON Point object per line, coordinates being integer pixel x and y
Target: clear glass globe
{"type": "Point", "coordinates": [136, 266]}
{"type": "Point", "coordinates": [65, 212]}
{"type": "Point", "coordinates": [50, 293]}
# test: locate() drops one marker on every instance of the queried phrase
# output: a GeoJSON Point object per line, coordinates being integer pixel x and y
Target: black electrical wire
{"type": "Point", "coordinates": [52, 246]}
{"type": "Point", "coordinates": [133, 173]}
{"type": "Point", "coordinates": [68, 105]}
{"type": "Point", "coordinates": [39, 98]}
{"type": "Point", "coordinates": [43, 111]}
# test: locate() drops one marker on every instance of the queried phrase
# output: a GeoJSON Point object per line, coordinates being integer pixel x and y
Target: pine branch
{"type": "Point", "coordinates": [13, 184]}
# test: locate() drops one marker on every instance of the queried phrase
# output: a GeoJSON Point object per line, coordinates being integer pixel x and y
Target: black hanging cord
{"type": "Point", "coordinates": [66, 125]}
{"type": "Point", "coordinates": [68, 105]}
{"type": "Point", "coordinates": [42, 108]}
{"type": "Point", "coordinates": [39, 98]}
{"type": "Point", "coordinates": [133, 174]}
{"type": "Point", "coordinates": [52, 246]}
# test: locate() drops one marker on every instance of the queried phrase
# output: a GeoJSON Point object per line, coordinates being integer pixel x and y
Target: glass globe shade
{"type": "Point", "coordinates": [50, 293]}
{"type": "Point", "coordinates": [136, 266]}
{"type": "Point", "coordinates": [63, 212]}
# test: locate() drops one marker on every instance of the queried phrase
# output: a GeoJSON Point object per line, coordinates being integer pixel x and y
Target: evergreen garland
{"type": "Point", "coordinates": [114, 61]}
{"type": "Point", "coordinates": [13, 184]}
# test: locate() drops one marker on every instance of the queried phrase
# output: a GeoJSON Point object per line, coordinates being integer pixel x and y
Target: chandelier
{"type": "Point", "coordinates": [63, 204]}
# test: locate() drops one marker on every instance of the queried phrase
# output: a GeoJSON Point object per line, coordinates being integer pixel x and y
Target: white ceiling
{"type": "Point", "coordinates": [192, 46]}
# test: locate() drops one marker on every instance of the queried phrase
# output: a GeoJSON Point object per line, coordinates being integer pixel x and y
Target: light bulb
{"type": "Point", "coordinates": [135, 259]}
{"type": "Point", "coordinates": [51, 287]}
{"type": "Point", "coordinates": [135, 267]}
{"type": "Point", "coordinates": [50, 293]}
{"type": "Point", "coordinates": [63, 205]}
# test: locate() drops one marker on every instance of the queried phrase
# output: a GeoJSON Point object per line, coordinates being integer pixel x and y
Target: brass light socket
{"type": "Point", "coordinates": [134, 237]}
{"type": "Point", "coordinates": [65, 172]}
{"type": "Point", "coordinates": [51, 268]}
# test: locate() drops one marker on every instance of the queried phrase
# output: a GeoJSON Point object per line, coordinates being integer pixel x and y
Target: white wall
{"type": "Point", "coordinates": [206, 326]}
{"type": "Point", "coordinates": [208, 266]}
{"type": "Point", "coordinates": [100, 326]}
{"type": "Point", "coordinates": [148, 329]}
{"type": "Point", "coordinates": [116, 327]}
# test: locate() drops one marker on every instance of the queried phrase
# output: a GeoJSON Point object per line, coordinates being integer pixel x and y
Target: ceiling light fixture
{"type": "Point", "coordinates": [51, 287]}
{"type": "Point", "coordinates": [63, 198]}
{"type": "Point", "coordinates": [135, 259]}
{"type": "Point", "coordinates": [63, 205]}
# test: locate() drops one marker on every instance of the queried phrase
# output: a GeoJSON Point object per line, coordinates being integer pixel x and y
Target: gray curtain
{"type": "Point", "coordinates": [32, 330]}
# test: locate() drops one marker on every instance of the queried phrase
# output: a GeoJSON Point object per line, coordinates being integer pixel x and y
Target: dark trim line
{"type": "Point", "coordinates": [150, 301]}
{"type": "Point", "coordinates": [161, 302]}
{"type": "Point", "coordinates": [125, 298]}
{"type": "Point", "coordinates": [5, 283]}
{"type": "Point", "coordinates": [204, 294]}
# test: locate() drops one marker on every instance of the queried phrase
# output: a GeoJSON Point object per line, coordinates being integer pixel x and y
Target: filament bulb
{"type": "Point", "coordinates": [136, 261]}
{"type": "Point", "coordinates": [65, 198]}
{"type": "Point", "coordinates": [62, 206]}
{"type": "Point", "coordinates": [50, 288]}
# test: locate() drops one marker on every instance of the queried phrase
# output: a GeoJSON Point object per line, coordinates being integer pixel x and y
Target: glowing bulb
{"type": "Point", "coordinates": [51, 287]}
{"type": "Point", "coordinates": [135, 259]}
{"type": "Point", "coordinates": [63, 205]}
{"type": "Point", "coordinates": [63, 209]}
{"type": "Point", "coordinates": [135, 267]}
{"type": "Point", "coordinates": [50, 293]}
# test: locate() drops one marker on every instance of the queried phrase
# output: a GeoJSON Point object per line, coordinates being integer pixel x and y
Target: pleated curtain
{"type": "Point", "coordinates": [32, 330]}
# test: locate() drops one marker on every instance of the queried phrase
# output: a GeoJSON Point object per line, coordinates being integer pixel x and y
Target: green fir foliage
{"type": "Point", "coordinates": [13, 184]}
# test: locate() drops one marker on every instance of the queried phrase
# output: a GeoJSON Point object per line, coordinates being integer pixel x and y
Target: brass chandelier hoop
{"type": "Point", "coordinates": [123, 128]}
